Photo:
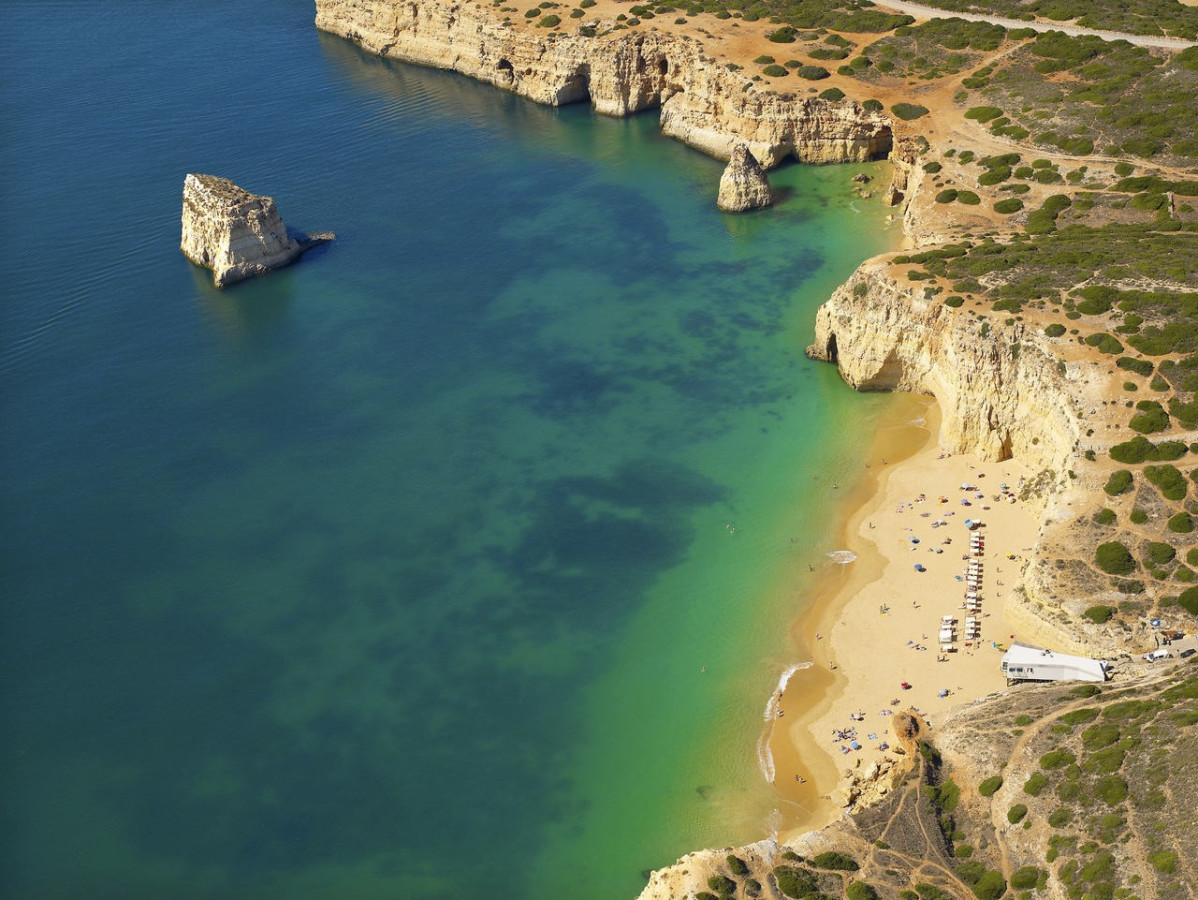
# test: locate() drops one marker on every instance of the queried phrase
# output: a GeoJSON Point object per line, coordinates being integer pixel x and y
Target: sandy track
{"type": "Point", "coordinates": [930, 12]}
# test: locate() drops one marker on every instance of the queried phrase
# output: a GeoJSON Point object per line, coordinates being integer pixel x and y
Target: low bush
{"type": "Point", "coordinates": [1056, 759]}
{"type": "Point", "coordinates": [1059, 818]}
{"type": "Point", "coordinates": [1105, 516]}
{"type": "Point", "coordinates": [841, 862]}
{"type": "Point", "coordinates": [1099, 614]}
{"type": "Point", "coordinates": [1152, 418]}
{"type": "Point", "coordinates": [1035, 784]}
{"type": "Point", "coordinates": [948, 195]}
{"type": "Point", "coordinates": [859, 890]}
{"type": "Point", "coordinates": [983, 113]}
{"type": "Point", "coordinates": [1168, 480]}
{"type": "Point", "coordinates": [1056, 329]}
{"type": "Point", "coordinates": [1025, 878]}
{"type": "Point", "coordinates": [832, 93]}
{"type": "Point", "coordinates": [1182, 523]}
{"type": "Point", "coordinates": [1120, 482]}
{"type": "Point", "coordinates": [813, 73]}
{"type": "Point", "coordinates": [1189, 600]}
{"type": "Point", "coordinates": [969, 198]}
{"type": "Point", "coordinates": [1112, 789]}
{"type": "Point", "coordinates": [736, 865]}
{"type": "Point", "coordinates": [775, 71]}
{"type": "Point", "coordinates": [1013, 205]}
{"type": "Point", "coordinates": [990, 785]}
{"type": "Point", "coordinates": [1159, 552]}
{"type": "Point", "coordinates": [1114, 558]}
{"type": "Point", "coordinates": [908, 111]}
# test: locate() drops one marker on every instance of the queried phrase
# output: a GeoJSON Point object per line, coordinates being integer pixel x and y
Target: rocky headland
{"type": "Point", "coordinates": [237, 234]}
{"type": "Point", "coordinates": [619, 73]}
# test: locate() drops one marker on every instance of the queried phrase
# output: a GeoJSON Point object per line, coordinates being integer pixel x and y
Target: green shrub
{"type": "Point", "coordinates": [969, 198]}
{"type": "Point", "coordinates": [1059, 818]}
{"type": "Point", "coordinates": [736, 865]}
{"type": "Point", "coordinates": [990, 886]}
{"type": "Point", "coordinates": [908, 111]}
{"type": "Point", "coordinates": [963, 851]}
{"type": "Point", "coordinates": [948, 195]}
{"type": "Point", "coordinates": [722, 885]}
{"type": "Point", "coordinates": [983, 113]}
{"type": "Point", "coordinates": [859, 890]}
{"type": "Point", "coordinates": [1025, 878]}
{"type": "Point", "coordinates": [1080, 716]}
{"type": "Point", "coordinates": [1114, 558]}
{"type": "Point", "coordinates": [872, 105]}
{"type": "Point", "coordinates": [990, 785]}
{"type": "Point", "coordinates": [550, 22]}
{"type": "Point", "coordinates": [1168, 480]}
{"type": "Point", "coordinates": [1035, 784]}
{"type": "Point", "coordinates": [1105, 516]}
{"type": "Point", "coordinates": [1099, 614]}
{"type": "Point", "coordinates": [1159, 552]}
{"type": "Point", "coordinates": [932, 167]}
{"type": "Point", "coordinates": [1182, 523]}
{"type": "Point", "coordinates": [1152, 418]}
{"type": "Point", "coordinates": [813, 73]}
{"type": "Point", "coordinates": [841, 862]}
{"type": "Point", "coordinates": [1105, 343]}
{"type": "Point", "coordinates": [1189, 600]}
{"type": "Point", "coordinates": [1112, 789]}
{"type": "Point", "coordinates": [1016, 813]}
{"type": "Point", "coordinates": [1138, 516]}
{"type": "Point", "coordinates": [1120, 482]}
{"type": "Point", "coordinates": [1055, 329]}
{"type": "Point", "coordinates": [954, 301]}
{"type": "Point", "coordinates": [1136, 450]}
{"type": "Point", "coordinates": [1164, 861]}
{"type": "Point", "coordinates": [1131, 364]}
{"type": "Point", "coordinates": [1013, 205]}
{"type": "Point", "coordinates": [782, 35]}
{"type": "Point", "coordinates": [1096, 737]}
{"type": "Point", "coordinates": [1056, 759]}
{"type": "Point", "coordinates": [775, 71]}
{"type": "Point", "coordinates": [832, 93]}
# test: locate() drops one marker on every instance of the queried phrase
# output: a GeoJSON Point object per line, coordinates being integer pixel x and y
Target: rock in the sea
{"type": "Point", "coordinates": [234, 233]}
{"type": "Point", "coordinates": [743, 185]}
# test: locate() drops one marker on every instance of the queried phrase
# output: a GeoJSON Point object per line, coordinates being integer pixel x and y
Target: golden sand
{"type": "Point", "coordinates": [874, 625]}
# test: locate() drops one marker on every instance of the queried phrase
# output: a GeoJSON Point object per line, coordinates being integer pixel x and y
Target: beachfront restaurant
{"type": "Point", "coordinates": [1026, 663]}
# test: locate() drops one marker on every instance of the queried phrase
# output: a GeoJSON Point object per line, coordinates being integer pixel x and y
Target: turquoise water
{"type": "Point", "coordinates": [456, 560]}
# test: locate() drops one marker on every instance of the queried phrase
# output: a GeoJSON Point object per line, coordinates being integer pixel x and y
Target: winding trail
{"type": "Point", "coordinates": [920, 11]}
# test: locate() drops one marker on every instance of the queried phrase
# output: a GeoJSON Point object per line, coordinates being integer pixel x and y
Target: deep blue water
{"type": "Point", "coordinates": [387, 575]}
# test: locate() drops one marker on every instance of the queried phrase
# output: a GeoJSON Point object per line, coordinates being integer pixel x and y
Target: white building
{"type": "Point", "coordinates": [1025, 663]}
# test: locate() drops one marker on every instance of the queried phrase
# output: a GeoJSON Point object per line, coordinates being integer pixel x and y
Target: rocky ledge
{"type": "Point", "coordinates": [237, 234]}
{"type": "Point", "coordinates": [743, 186]}
{"type": "Point", "coordinates": [619, 73]}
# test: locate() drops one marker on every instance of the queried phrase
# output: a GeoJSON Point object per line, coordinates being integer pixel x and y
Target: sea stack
{"type": "Point", "coordinates": [234, 233]}
{"type": "Point", "coordinates": [743, 186]}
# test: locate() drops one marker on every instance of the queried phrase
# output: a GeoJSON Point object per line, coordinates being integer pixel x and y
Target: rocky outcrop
{"type": "Point", "coordinates": [619, 73]}
{"type": "Point", "coordinates": [743, 186]}
{"type": "Point", "coordinates": [234, 233]}
{"type": "Point", "coordinates": [1000, 390]}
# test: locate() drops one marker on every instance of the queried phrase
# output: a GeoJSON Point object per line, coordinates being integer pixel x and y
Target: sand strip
{"type": "Point", "coordinates": [875, 624]}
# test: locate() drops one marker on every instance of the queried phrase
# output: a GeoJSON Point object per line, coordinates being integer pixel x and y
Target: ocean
{"type": "Point", "coordinates": [456, 561]}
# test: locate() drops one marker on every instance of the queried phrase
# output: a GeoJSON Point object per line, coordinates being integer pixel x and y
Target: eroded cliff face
{"type": "Point", "coordinates": [234, 233]}
{"type": "Point", "coordinates": [999, 387]}
{"type": "Point", "coordinates": [701, 103]}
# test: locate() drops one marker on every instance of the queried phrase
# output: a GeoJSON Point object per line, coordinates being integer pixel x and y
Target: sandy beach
{"type": "Point", "coordinates": [875, 624]}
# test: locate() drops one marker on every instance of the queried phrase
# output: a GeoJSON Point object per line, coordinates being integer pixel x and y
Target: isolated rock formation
{"type": "Point", "coordinates": [622, 72]}
{"type": "Point", "coordinates": [234, 233]}
{"type": "Point", "coordinates": [743, 186]}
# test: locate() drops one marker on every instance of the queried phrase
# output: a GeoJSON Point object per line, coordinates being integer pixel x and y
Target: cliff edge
{"type": "Point", "coordinates": [619, 73]}
{"type": "Point", "coordinates": [234, 233]}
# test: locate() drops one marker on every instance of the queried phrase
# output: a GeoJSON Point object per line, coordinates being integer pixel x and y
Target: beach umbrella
{"type": "Point", "coordinates": [919, 567]}
{"type": "Point", "coordinates": [855, 745]}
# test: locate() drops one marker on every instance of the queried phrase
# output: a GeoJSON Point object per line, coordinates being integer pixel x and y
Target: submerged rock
{"type": "Point", "coordinates": [236, 234]}
{"type": "Point", "coordinates": [743, 185]}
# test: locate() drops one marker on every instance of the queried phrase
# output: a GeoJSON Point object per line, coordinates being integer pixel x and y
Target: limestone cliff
{"type": "Point", "coordinates": [998, 386]}
{"type": "Point", "coordinates": [620, 73]}
{"type": "Point", "coordinates": [743, 186]}
{"type": "Point", "coordinates": [234, 233]}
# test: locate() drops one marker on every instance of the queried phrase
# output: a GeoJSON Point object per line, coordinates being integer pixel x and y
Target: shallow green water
{"type": "Point", "coordinates": [395, 573]}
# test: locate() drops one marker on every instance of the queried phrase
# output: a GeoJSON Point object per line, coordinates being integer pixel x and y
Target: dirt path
{"type": "Point", "coordinates": [930, 12]}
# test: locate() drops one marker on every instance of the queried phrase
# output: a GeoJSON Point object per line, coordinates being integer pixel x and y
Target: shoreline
{"type": "Point", "coordinates": [865, 627]}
